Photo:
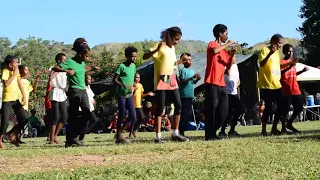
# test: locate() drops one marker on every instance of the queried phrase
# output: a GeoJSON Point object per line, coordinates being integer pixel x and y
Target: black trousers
{"type": "Point", "coordinates": [234, 112]}
{"type": "Point", "coordinates": [89, 126]}
{"type": "Point", "coordinates": [216, 108]}
{"type": "Point", "coordinates": [173, 96]}
{"type": "Point", "coordinates": [186, 113]}
{"type": "Point", "coordinates": [77, 98]}
{"type": "Point", "coordinates": [272, 96]}
{"type": "Point", "coordinates": [60, 112]}
{"type": "Point", "coordinates": [19, 112]}
{"type": "Point", "coordinates": [297, 103]}
{"type": "Point", "coordinates": [140, 119]}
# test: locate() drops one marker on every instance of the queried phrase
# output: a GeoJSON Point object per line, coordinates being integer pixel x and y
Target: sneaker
{"type": "Point", "coordinates": [122, 140]}
{"type": "Point", "coordinates": [275, 132]}
{"type": "Point", "coordinates": [222, 134]}
{"type": "Point", "coordinates": [20, 142]}
{"type": "Point", "coordinates": [264, 133]}
{"type": "Point", "coordinates": [179, 138]}
{"type": "Point", "coordinates": [210, 139]}
{"type": "Point", "coordinates": [233, 133]}
{"type": "Point", "coordinates": [218, 137]}
{"type": "Point", "coordinates": [75, 143]}
{"type": "Point", "coordinates": [284, 131]}
{"type": "Point", "coordinates": [159, 141]}
{"type": "Point", "coordinates": [291, 128]}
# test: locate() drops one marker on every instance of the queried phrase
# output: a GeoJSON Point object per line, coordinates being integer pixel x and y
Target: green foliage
{"type": "Point", "coordinates": [310, 12]}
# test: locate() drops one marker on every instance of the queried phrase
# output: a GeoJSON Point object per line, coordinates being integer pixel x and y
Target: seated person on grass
{"type": "Point", "coordinates": [35, 122]}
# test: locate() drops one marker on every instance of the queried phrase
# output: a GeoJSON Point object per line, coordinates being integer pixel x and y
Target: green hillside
{"type": "Point", "coordinates": [191, 46]}
{"type": "Point", "coordinates": [194, 46]}
{"type": "Point", "coordinates": [293, 41]}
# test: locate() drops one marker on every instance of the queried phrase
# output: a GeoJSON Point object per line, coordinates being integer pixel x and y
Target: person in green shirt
{"type": "Point", "coordinates": [76, 69]}
{"type": "Point", "coordinates": [124, 79]}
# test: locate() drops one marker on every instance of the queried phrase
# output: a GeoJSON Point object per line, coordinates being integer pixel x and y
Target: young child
{"type": "Point", "coordinates": [76, 69]}
{"type": "Point", "coordinates": [10, 99]}
{"type": "Point", "coordinates": [93, 118]}
{"type": "Point", "coordinates": [290, 89]}
{"type": "Point", "coordinates": [58, 99]}
{"type": "Point", "coordinates": [124, 79]}
{"type": "Point", "coordinates": [187, 79]}
{"type": "Point", "coordinates": [165, 80]}
{"type": "Point", "coordinates": [35, 122]}
{"type": "Point", "coordinates": [216, 97]}
{"type": "Point", "coordinates": [138, 95]}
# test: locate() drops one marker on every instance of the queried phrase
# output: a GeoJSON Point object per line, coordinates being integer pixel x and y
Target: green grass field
{"type": "Point", "coordinates": [249, 157]}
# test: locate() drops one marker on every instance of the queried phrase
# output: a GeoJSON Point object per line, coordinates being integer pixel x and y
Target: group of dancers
{"type": "Point", "coordinates": [277, 82]}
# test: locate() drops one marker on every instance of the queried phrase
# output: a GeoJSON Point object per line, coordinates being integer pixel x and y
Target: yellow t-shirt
{"type": "Point", "coordinates": [270, 73]}
{"type": "Point", "coordinates": [164, 62]}
{"type": "Point", "coordinates": [27, 88]}
{"type": "Point", "coordinates": [11, 92]}
{"type": "Point", "coordinates": [137, 95]}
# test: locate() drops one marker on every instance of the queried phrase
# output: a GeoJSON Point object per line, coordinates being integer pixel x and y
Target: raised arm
{"type": "Point", "coordinates": [216, 50]}
{"type": "Point", "coordinates": [60, 69]}
{"type": "Point", "coordinates": [35, 85]}
{"type": "Point", "coordinates": [264, 56]}
{"type": "Point", "coordinates": [6, 79]}
{"type": "Point", "coordinates": [152, 51]}
{"type": "Point", "coordinates": [303, 70]}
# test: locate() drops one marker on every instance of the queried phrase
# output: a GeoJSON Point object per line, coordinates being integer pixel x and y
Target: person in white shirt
{"type": "Point", "coordinates": [58, 98]}
{"type": "Point", "coordinates": [93, 118]}
{"type": "Point", "coordinates": [232, 80]}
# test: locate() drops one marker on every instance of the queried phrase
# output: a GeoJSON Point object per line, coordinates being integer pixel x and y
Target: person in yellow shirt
{"type": "Point", "coordinates": [269, 82]}
{"type": "Point", "coordinates": [27, 88]}
{"type": "Point", "coordinates": [10, 99]}
{"type": "Point", "coordinates": [165, 81]}
{"type": "Point", "coordinates": [138, 95]}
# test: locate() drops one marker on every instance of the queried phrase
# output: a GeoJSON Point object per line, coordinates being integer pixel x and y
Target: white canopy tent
{"type": "Point", "coordinates": [313, 74]}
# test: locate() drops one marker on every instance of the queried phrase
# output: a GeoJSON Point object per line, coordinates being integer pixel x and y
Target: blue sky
{"type": "Point", "coordinates": [102, 21]}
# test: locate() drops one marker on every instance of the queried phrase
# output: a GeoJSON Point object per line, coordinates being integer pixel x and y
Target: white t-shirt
{"type": "Point", "coordinates": [90, 97]}
{"type": "Point", "coordinates": [232, 80]}
{"type": "Point", "coordinates": [59, 86]}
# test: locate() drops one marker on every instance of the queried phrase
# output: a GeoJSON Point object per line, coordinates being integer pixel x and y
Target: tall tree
{"type": "Point", "coordinates": [310, 30]}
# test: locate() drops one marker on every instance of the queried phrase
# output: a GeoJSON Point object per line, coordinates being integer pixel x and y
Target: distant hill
{"type": "Point", "coordinates": [196, 46]}
{"type": "Point", "coordinates": [293, 41]}
{"type": "Point", "coordinates": [191, 46]}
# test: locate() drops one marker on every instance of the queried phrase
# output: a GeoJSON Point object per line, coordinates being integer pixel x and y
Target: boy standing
{"type": "Point", "coordinates": [187, 79]}
{"type": "Point", "coordinates": [124, 79]}
{"type": "Point", "coordinates": [216, 97]}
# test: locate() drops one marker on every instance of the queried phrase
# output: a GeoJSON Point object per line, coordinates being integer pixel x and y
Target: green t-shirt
{"type": "Point", "coordinates": [126, 76]}
{"type": "Point", "coordinates": [34, 121]}
{"type": "Point", "coordinates": [77, 81]}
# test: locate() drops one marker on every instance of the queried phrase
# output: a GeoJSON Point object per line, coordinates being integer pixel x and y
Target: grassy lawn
{"type": "Point", "coordinates": [250, 157]}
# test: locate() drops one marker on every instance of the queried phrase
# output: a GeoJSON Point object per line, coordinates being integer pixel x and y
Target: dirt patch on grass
{"type": "Point", "coordinates": [42, 164]}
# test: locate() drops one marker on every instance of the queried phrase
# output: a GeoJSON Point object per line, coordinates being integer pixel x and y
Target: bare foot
{"type": "Point", "coordinates": [56, 141]}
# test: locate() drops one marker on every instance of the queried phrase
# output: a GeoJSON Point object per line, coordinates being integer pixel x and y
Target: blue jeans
{"type": "Point", "coordinates": [123, 104]}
